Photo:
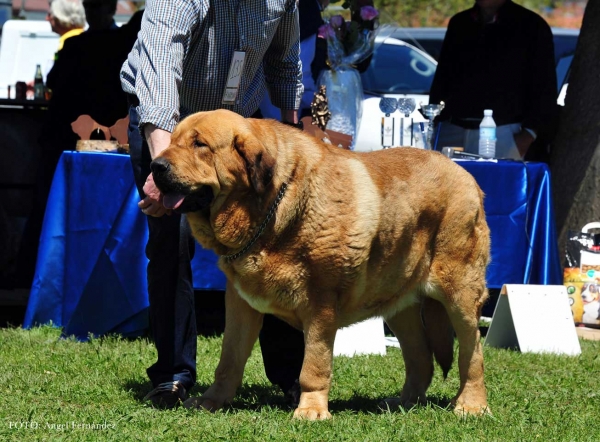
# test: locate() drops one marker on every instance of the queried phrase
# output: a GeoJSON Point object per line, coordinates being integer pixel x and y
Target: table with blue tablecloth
{"type": "Point", "coordinates": [91, 270]}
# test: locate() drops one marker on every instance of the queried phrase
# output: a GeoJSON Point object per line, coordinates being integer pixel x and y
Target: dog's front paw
{"type": "Point", "coordinates": [312, 413]}
{"type": "Point", "coordinates": [472, 410]}
{"type": "Point", "coordinates": [471, 402]}
{"type": "Point", "coordinates": [203, 404]}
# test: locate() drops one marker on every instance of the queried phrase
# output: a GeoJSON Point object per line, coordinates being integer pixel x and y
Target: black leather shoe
{"type": "Point", "coordinates": [167, 395]}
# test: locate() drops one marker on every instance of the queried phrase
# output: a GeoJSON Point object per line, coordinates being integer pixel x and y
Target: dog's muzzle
{"type": "Point", "coordinates": [177, 196]}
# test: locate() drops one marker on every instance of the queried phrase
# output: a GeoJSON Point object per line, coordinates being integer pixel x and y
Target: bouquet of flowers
{"type": "Point", "coordinates": [348, 42]}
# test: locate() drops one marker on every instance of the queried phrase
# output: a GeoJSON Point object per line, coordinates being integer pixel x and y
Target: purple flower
{"type": "Point", "coordinates": [337, 21]}
{"type": "Point", "coordinates": [368, 13]}
{"type": "Point", "coordinates": [326, 31]}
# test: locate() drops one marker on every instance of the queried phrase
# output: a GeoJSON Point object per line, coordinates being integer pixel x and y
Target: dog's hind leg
{"type": "Point", "coordinates": [464, 314]}
{"type": "Point", "coordinates": [458, 268]}
{"type": "Point", "coordinates": [418, 357]}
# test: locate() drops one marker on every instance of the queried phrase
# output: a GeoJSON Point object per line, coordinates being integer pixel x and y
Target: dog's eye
{"type": "Point", "coordinates": [198, 143]}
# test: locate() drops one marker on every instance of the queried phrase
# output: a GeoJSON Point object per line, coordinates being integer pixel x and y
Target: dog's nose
{"type": "Point", "coordinates": [159, 165]}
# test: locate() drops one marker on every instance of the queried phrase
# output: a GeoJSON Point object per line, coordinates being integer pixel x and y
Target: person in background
{"type": "Point", "coordinates": [496, 55]}
{"type": "Point", "coordinates": [180, 65]}
{"type": "Point", "coordinates": [67, 19]}
{"type": "Point", "coordinates": [100, 14]}
{"type": "Point", "coordinates": [84, 81]}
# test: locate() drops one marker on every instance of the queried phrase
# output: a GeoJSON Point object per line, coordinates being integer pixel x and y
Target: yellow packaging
{"type": "Point", "coordinates": [583, 289]}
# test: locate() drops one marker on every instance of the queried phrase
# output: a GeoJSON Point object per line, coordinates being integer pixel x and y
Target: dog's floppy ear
{"type": "Point", "coordinates": [260, 164]}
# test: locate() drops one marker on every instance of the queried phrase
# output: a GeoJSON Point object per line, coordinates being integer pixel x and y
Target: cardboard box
{"type": "Point", "coordinates": [583, 289]}
{"type": "Point", "coordinates": [582, 274]}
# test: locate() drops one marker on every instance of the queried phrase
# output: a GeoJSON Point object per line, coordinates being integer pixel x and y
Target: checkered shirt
{"type": "Point", "coordinates": [180, 61]}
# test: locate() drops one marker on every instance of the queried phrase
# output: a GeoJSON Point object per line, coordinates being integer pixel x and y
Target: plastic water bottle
{"type": "Point", "coordinates": [487, 135]}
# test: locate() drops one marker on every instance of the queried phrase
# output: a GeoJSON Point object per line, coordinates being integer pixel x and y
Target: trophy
{"type": "Point", "coordinates": [430, 111]}
{"type": "Point", "coordinates": [319, 109]}
{"type": "Point", "coordinates": [388, 106]}
{"type": "Point", "coordinates": [320, 116]}
{"type": "Point", "coordinates": [406, 106]}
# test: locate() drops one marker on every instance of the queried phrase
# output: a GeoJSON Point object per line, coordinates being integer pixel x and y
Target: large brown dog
{"type": "Point", "coordinates": [323, 238]}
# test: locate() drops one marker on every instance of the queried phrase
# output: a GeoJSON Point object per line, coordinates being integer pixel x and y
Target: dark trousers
{"type": "Point", "coordinates": [171, 296]}
{"type": "Point", "coordinates": [169, 250]}
{"type": "Point", "coordinates": [282, 348]}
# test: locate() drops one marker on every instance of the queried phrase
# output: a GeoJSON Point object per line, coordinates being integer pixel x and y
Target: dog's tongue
{"type": "Point", "coordinates": [173, 200]}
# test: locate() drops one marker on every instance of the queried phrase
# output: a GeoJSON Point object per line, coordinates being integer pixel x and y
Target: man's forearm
{"type": "Point", "coordinates": [158, 139]}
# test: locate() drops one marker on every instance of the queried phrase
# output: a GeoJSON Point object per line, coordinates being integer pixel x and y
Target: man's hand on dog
{"type": "Point", "coordinates": [152, 204]}
{"type": "Point", "coordinates": [158, 140]}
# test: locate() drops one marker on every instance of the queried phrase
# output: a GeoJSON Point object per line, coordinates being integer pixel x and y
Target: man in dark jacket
{"type": "Point", "coordinates": [500, 56]}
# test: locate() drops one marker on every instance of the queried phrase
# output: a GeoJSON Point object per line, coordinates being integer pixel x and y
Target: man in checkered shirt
{"type": "Point", "coordinates": [179, 65]}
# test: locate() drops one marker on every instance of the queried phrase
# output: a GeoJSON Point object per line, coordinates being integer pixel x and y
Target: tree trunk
{"type": "Point", "coordinates": [575, 157]}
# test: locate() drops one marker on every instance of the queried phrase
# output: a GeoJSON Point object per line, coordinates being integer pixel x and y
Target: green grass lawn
{"type": "Point", "coordinates": [62, 387]}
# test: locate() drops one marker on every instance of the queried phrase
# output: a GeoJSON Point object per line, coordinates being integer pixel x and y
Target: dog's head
{"type": "Point", "coordinates": [589, 293]}
{"type": "Point", "coordinates": [212, 153]}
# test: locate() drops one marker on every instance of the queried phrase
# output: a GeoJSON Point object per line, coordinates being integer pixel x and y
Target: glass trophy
{"type": "Point", "coordinates": [388, 106]}
{"type": "Point", "coordinates": [430, 111]}
{"type": "Point", "coordinates": [406, 106]}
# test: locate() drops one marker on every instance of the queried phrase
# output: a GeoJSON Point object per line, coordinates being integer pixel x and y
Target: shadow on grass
{"type": "Point", "coordinates": [372, 405]}
{"type": "Point", "coordinates": [137, 389]}
{"type": "Point", "coordinates": [255, 397]}
{"type": "Point", "coordinates": [247, 398]}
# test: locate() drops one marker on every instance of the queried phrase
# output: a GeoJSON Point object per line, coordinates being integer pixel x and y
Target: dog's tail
{"type": "Point", "coordinates": [439, 332]}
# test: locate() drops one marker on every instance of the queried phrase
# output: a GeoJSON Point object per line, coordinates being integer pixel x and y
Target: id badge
{"type": "Point", "coordinates": [234, 77]}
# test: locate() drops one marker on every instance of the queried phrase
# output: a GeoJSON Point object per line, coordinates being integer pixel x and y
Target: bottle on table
{"type": "Point", "coordinates": [487, 135]}
{"type": "Point", "coordinates": [38, 84]}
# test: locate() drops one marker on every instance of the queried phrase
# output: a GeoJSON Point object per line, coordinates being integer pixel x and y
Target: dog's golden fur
{"type": "Point", "coordinates": [399, 233]}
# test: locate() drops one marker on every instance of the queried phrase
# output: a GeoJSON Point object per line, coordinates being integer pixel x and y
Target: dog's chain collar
{"type": "Point", "coordinates": [261, 228]}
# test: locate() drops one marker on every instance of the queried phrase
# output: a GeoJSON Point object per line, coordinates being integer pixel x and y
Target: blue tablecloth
{"type": "Point", "coordinates": [520, 214]}
{"type": "Point", "coordinates": [91, 269]}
